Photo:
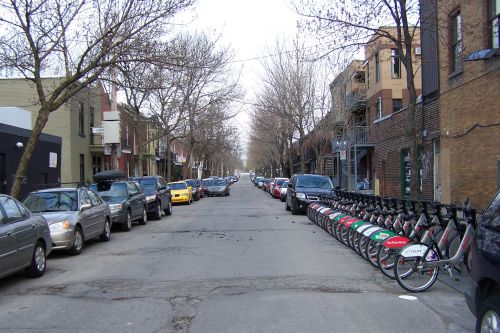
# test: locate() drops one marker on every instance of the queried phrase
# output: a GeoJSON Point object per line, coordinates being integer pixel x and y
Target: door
{"type": "Point", "coordinates": [87, 217]}
{"type": "Point", "coordinates": [163, 193]}
{"type": "Point", "coordinates": [3, 174]}
{"type": "Point", "coordinates": [134, 199]}
{"type": "Point", "coordinates": [24, 228]}
{"type": "Point", "coordinates": [98, 211]}
{"type": "Point", "coordinates": [7, 245]}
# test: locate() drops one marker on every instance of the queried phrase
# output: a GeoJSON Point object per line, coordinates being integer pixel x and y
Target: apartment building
{"type": "Point", "coordinates": [469, 101]}
{"type": "Point", "coordinates": [353, 136]}
{"type": "Point", "coordinates": [71, 122]}
{"type": "Point", "coordinates": [386, 110]}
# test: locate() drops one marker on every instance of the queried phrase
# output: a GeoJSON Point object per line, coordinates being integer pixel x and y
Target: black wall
{"type": "Point", "coordinates": [39, 171]}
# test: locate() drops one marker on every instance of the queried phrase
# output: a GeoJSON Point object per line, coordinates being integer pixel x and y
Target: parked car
{"type": "Point", "coordinates": [483, 297]}
{"type": "Point", "coordinates": [283, 189]}
{"type": "Point", "coordinates": [260, 182]}
{"type": "Point", "coordinates": [205, 183]}
{"type": "Point", "coordinates": [195, 191]}
{"type": "Point", "coordinates": [125, 198]}
{"type": "Point", "coordinates": [74, 215]}
{"type": "Point", "coordinates": [181, 192]}
{"type": "Point", "coordinates": [266, 184]}
{"type": "Point", "coordinates": [158, 195]}
{"type": "Point", "coordinates": [199, 185]}
{"type": "Point", "coordinates": [25, 240]}
{"type": "Point", "coordinates": [304, 189]}
{"type": "Point", "coordinates": [218, 187]}
{"type": "Point", "coordinates": [276, 188]}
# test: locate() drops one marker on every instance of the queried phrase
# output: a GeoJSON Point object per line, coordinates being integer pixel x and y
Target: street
{"type": "Point", "coordinates": [230, 264]}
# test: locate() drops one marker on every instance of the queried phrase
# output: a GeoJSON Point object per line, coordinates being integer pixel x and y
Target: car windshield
{"type": "Point", "coordinates": [314, 182]}
{"type": "Point", "coordinates": [148, 183]}
{"type": "Point", "coordinates": [57, 201]}
{"type": "Point", "coordinates": [177, 186]}
{"type": "Point", "coordinates": [219, 182]}
{"type": "Point", "coordinates": [285, 184]}
{"type": "Point", "coordinates": [280, 182]}
{"type": "Point", "coordinates": [191, 183]}
{"type": "Point", "coordinates": [110, 190]}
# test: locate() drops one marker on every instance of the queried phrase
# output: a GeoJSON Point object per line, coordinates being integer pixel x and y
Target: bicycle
{"type": "Point", "coordinates": [417, 266]}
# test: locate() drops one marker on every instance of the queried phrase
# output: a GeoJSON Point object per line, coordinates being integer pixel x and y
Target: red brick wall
{"type": "Point", "coordinates": [391, 138]}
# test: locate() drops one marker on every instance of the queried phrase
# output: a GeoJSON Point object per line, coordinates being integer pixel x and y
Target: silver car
{"type": "Point", "coordinates": [74, 216]}
{"type": "Point", "coordinates": [24, 239]}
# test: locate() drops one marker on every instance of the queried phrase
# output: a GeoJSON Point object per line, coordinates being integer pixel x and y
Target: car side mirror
{"type": "Point", "coordinates": [85, 207]}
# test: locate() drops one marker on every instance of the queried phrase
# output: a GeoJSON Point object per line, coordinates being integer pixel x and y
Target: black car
{"type": "Point", "coordinates": [304, 189]}
{"type": "Point", "coordinates": [195, 190]}
{"type": "Point", "coordinates": [158, 195]}
{"type": "Point", "coordinates": [125, 198]}
{"type": "Point", "coordinates": [218, 187]}
{"type": "Point", "coordinates": [483, 297]}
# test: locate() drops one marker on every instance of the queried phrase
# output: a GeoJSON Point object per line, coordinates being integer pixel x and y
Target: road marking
{"type": "Point", "coordinates": [408, 297]}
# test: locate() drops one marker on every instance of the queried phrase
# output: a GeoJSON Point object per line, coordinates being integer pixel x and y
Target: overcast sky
{"type": "Point", "coordinates": [248, 27]}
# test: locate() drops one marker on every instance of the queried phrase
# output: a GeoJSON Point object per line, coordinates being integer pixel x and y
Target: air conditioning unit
{"type": "Point", "coordinates": [418, 50]}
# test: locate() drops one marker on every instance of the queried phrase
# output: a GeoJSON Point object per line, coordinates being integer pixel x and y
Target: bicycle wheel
{"type": "Point", "coordinates": [385, 261]}
{"type": "Point", "coordinates": [371, 251]}
{"type": "Point", "coordinates": [452, 247]}
{"type": "Point", "coordinates": [414, 274]}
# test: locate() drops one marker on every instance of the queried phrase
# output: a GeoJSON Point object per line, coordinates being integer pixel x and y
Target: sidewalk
{"type": "Point", "coordinates": [464, 280]}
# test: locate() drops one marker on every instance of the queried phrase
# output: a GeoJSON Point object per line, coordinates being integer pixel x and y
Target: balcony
{"type": "Point", "coordinates": [360, 136]}
{"type": "Point", "coordinates": [96, 143]}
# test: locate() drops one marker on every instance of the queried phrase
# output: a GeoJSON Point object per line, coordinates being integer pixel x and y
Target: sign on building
{"type": "Point", "coordinates": [107, 149]}
{"type": "Point", "coordinates": [52, 160]}
{"type": "Point", "coordinates": [343, 155]}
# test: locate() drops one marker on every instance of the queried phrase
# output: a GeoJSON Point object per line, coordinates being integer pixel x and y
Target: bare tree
{"type": "Point", "coordinates": [87, 37]}
{"type": "Point", "coordinates": [345, 26]}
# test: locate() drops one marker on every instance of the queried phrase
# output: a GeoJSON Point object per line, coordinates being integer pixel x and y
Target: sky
{"type": "Point", "coordinates": [248, 27]}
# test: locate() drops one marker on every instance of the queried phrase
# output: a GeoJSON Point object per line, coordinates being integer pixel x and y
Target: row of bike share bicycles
{"type": "Point", "coordinates": [409, 241]}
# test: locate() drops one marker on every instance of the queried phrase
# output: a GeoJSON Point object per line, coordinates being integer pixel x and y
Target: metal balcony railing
{"type": "Point", "coordinates": [356, 135]}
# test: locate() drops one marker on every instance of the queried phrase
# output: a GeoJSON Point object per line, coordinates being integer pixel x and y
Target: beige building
{"type": "Point", "coordinates": [71, 122]}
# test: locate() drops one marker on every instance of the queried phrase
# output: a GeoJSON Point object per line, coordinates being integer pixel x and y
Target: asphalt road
{"type": "Point", "coordinates": [233, 264]}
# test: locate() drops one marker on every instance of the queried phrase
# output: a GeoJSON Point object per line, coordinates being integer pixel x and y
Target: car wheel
{"type": "Point", "coordinates": [127, 226]}
{"type": "Point", "coordinates": [157, 215]}
{"type": "Point", "coordinates": [78, 240]}
{"type": "Point", "coordinates": [144, 218]}
{"type": "Point", "coordinates": [488, 319]}
{"type": "Point", "coordinates": [295, 210]}
{"type": "Point", "coordinates": [38, 261]}
{"type": "Point", "coordinates": [106, 233]}
{"type": "Point", "coordinates": [168, 211]}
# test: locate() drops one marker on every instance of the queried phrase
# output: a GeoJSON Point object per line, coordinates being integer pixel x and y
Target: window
{"type": "Point", "coordinates": [11, 209]}
{"type": "Point", "coordinates": [82, 167]}
{"type": "Point", "coordinates": [94, 198]}
{"type": "Point", "coordinates": [132, 190]}
{"type": "Point", "coordinates": [378, 108]}
{"type": "Point", "coordinates": [491, 216]}
{"type": "Point", "coordinates": [377, 67]}
{"type": "Point", "coordinates": [456, 42]}
{"type": "Point", "coordinates": [81, 120]}
{"type": "Point", "coordinates": [397, 104]}
{"type": "Point", "coordinates": [91, 122]}
{"type": "Point", "coordinates": [84, 198]}
{"type": "Point", "coordinates": [494, 23]}
{"type": "Point", "coordinates": [395, 64]}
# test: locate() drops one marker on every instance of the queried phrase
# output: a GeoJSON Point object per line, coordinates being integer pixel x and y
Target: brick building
{"type": "Point", "coordinates": [386, 101]}
{"type": "Point", "coordinates": [469, 100]}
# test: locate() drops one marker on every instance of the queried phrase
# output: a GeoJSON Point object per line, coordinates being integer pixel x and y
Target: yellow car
{"type": "Point", "coordinates": [181, 192]}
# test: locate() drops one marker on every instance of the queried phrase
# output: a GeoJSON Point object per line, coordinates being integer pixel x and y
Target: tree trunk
{"type": "Point", "coordinates": [301, 152]}
{"type": "Point", "coordinates": [41, 121]}
{"type": "Point", "coordinates": [169, 160]}
{"type": "Point", "coordinates": [290, 156]}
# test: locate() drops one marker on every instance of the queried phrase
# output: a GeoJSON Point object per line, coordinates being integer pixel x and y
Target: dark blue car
{"type": "Point", "coordinates": [483, 297]}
